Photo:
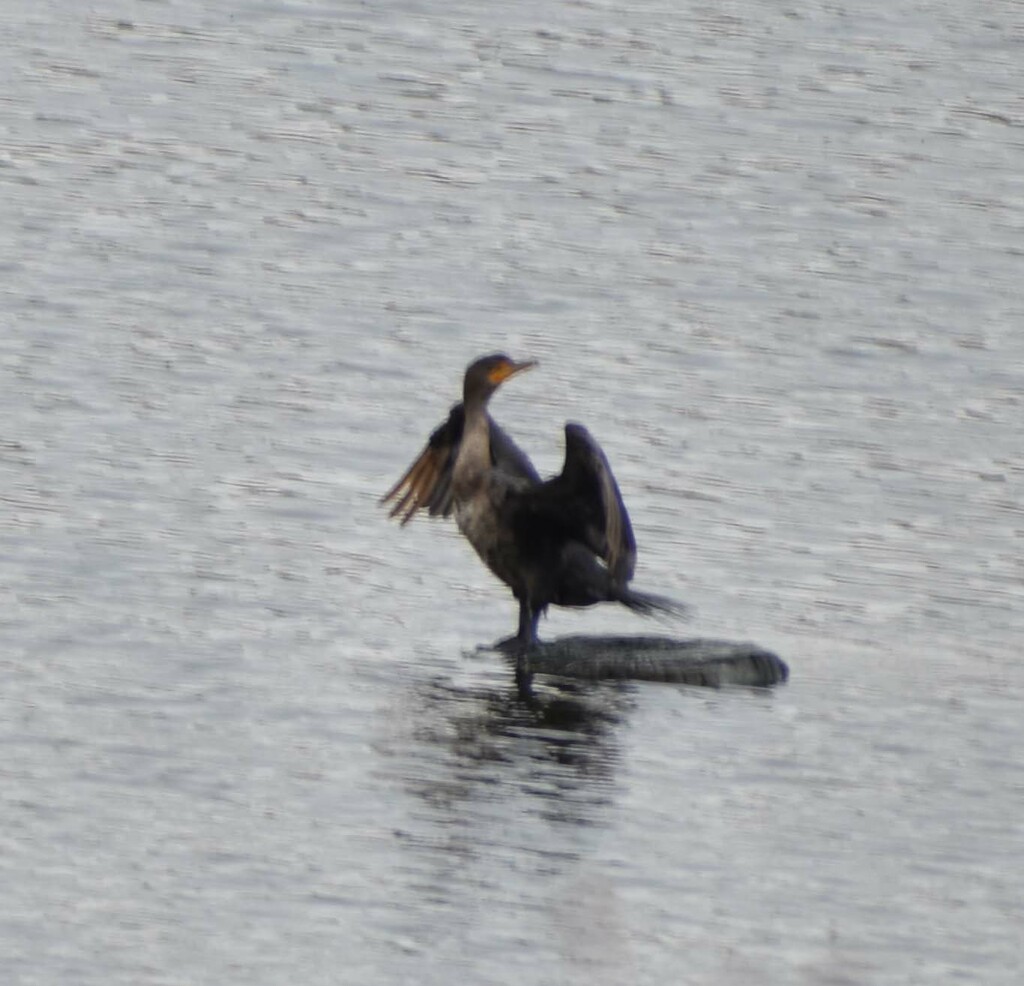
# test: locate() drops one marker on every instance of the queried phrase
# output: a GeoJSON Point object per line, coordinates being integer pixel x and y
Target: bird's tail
{"type": "Point", "coordinates": [649, 604]}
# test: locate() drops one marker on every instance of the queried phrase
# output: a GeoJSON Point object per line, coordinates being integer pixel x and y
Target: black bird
{"type": "Point", "coordinates": [567, 541]}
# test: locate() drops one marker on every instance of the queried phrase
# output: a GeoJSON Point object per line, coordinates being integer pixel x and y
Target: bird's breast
{"type": "Point", "coordinates": [476, 520]}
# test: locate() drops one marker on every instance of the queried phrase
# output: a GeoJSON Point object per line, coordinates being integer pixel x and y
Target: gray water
{"type": "Point", "coordinates": [771, 255]}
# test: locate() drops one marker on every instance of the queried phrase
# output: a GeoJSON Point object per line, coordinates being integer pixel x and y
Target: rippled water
{"type": "Point", "coordinates": [771, 256]}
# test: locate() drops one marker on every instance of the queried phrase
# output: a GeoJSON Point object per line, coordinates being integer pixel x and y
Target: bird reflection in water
{"type": "Point", "coordinates": [510, 800]}
{"type": "Point", "coordinates": [558, 744]}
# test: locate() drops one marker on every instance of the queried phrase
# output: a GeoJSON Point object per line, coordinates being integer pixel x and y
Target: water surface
{"type": "Point", "coordinates": [771, 257]}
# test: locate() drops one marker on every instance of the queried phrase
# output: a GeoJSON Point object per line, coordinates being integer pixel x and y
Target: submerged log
{"type": "Point", "coordinates": [711, 663]}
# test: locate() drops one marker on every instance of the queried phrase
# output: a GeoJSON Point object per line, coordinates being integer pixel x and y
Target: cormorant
{"type": "Point", "coordinates": [566, 541]}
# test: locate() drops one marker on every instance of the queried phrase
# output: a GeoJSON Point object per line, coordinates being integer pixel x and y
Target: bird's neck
{"type": "Point", "coordinates": [474, 458]}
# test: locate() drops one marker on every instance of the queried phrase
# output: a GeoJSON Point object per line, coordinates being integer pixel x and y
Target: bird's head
{"type": "Point", "coordinates": [485, 375]}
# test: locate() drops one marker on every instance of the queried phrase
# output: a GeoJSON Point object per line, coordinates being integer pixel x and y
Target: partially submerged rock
{"type": "Point", "coordinates": [711, 663]}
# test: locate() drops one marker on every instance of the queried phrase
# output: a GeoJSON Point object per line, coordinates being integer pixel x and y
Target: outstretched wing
{"type": "Point", "coordinates": [582, 504]}
{"type": "Point", "coordinates": [427, 483]}
{"type": "Point", "coordinates": [609, 531]}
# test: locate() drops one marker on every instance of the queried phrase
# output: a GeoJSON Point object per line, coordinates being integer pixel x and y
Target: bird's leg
{"type": "Point", "coordinates": [525, 639]}
{"type": "Point", "coordinates": [528, 621]}
{"type": "Point", "coordinates": [526, 636]}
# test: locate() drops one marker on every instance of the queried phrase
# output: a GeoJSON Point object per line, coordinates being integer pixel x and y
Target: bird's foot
{"type": "Point", "coordinates": [516, 645]}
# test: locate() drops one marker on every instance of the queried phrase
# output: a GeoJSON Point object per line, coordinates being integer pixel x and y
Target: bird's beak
{"type": "Point", "coordinates": [502, 373]}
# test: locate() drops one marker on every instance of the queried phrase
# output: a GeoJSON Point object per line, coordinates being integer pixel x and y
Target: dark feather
{"type": "Point", "coordinates": [583, 504]}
